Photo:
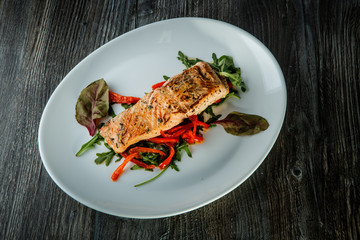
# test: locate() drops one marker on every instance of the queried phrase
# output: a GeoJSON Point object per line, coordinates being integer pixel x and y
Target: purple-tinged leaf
{"type": "Point", "coordinates": [92, 105]}
{"type": "Point", "coordinates": [241, 124]}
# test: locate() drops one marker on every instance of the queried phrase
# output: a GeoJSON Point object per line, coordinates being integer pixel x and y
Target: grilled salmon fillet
{"type": "Point", "coordinates": [186, 94]}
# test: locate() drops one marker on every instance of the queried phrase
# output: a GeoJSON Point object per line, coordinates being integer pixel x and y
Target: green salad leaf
{"type": "Point", "coordinates": [126, 105]}
{"type": "Point", "coordinates": [111, 112]}
{"type": "Point", "coordinates": [224, 66]}
{"type": "Point", "coordinates": [105, 157]}
{"type": "Point", "coordinates": [97, 139]}
{"type": "Point", "coordinates": [188, 62]}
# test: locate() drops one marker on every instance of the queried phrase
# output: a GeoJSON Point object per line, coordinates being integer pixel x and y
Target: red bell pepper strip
{"type": "Point", "coordinates": [194, 120]}
{"type": "Point", "coordinates": [177, 131]}
{"type": "Point", "coordinates": [116, 174]}
{"type": "Point", "coordinates": [117, 98]}
{"type": "Point", "coordinates": [217, 101]}
{"type": "Point", "coordinates": [191, 139]}
{"type": "Point", "coordinates": [179, 127]}
{"type": "Point", "coordinates": [145, 149]}
{"type": "Point", "coordinates": [202, 124]}
{"type": "Point", "coordinates": [165, 135]}
{"type": "Point", "coordinates": [198, 139]}
{"type": "Point", "coordinates": [169, 158]}
{"type": "Point", "coordinates": [159, 140]}
{"type": "Point", "coordinates": [188, 136]}
{"type": "Point", "coordinates": [157, 85]}
{"type": "Point", "coordinates": [187, 126]}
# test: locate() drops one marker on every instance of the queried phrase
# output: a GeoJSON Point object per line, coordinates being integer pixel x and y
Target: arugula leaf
{"type": "Point", "coordinates": [126, 106]}
{"type": "Point", "coordinates": [137, 167]}
{"type": "Point", "coordinates": [105, 156]}
{"type": "Point", "coordinates": [174, 166]}
{"type": "Point", "coordinates": [92, 104]}
{"type": "Point", "coordinates": [151, 158]}
{"type": "Point", "coordinates": [184, 146]}
{"type": "Point", "coordinates": [232, 93]}
{"type": "Point", "coordinates": [213, 116]}
{"type": "Point", "coordinates": [235, 78]}
{"type": "Point", "coordinates": [97, 139]}
{"type": "Point", "coordinates": [111, 112]}
{"type": "Point", "coordinates": [225, 67]}
{"type": "Point", "coordinates": [226, 64]}
{"type": "Point", "coordinates": [215, 63]}
{"type": "Point", "coordinates": [241, 124]}
{"type": "Point", "coordinates": [188, 62]}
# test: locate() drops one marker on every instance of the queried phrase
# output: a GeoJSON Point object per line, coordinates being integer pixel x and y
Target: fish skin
{"type": "Point", "coordinates": [186, 94]}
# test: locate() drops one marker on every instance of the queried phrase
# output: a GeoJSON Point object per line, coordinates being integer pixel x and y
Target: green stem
{"type": "Point", "coordinates": [137, 185]}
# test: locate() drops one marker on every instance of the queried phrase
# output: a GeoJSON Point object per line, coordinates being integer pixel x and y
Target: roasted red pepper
{"type": "Point", "coordinates": [169, 158]}
{"type": "Point", "coordinates": [116, 174]}
{"type": "Point", "coordinates": [157, 85]}
{"type": "Point", "coordinates": [117, 98]}
{"type": "Point", "coordinates": [159, 140]}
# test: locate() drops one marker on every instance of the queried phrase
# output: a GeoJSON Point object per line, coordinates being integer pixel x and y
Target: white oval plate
{"type": "Point", "coordinates": [131, 64]}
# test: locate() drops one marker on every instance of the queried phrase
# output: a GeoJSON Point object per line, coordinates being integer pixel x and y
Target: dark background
{"type": "Point", "coordinates": [308, 186]}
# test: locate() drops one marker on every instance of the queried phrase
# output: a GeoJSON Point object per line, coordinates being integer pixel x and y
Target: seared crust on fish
{"type": "Point", "coordinates": [186, 94]}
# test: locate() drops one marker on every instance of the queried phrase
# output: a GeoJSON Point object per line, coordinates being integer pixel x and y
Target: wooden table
{"type": "Point", "coordinates": [307, 187]}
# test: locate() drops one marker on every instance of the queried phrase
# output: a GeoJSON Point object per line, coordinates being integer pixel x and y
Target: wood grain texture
{"type": "Point", "coordinates": [308, 186]}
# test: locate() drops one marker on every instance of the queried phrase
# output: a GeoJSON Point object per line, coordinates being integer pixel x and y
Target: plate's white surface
{"type": "Point", "coordinates": [130, 64]}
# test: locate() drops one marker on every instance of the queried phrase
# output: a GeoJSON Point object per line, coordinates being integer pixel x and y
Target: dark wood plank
{"type": "Point", "coordinates": [308, 186]}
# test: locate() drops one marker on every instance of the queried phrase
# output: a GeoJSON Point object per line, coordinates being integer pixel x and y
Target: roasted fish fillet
{"type": "Point", "coordinates": [186, 94]}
